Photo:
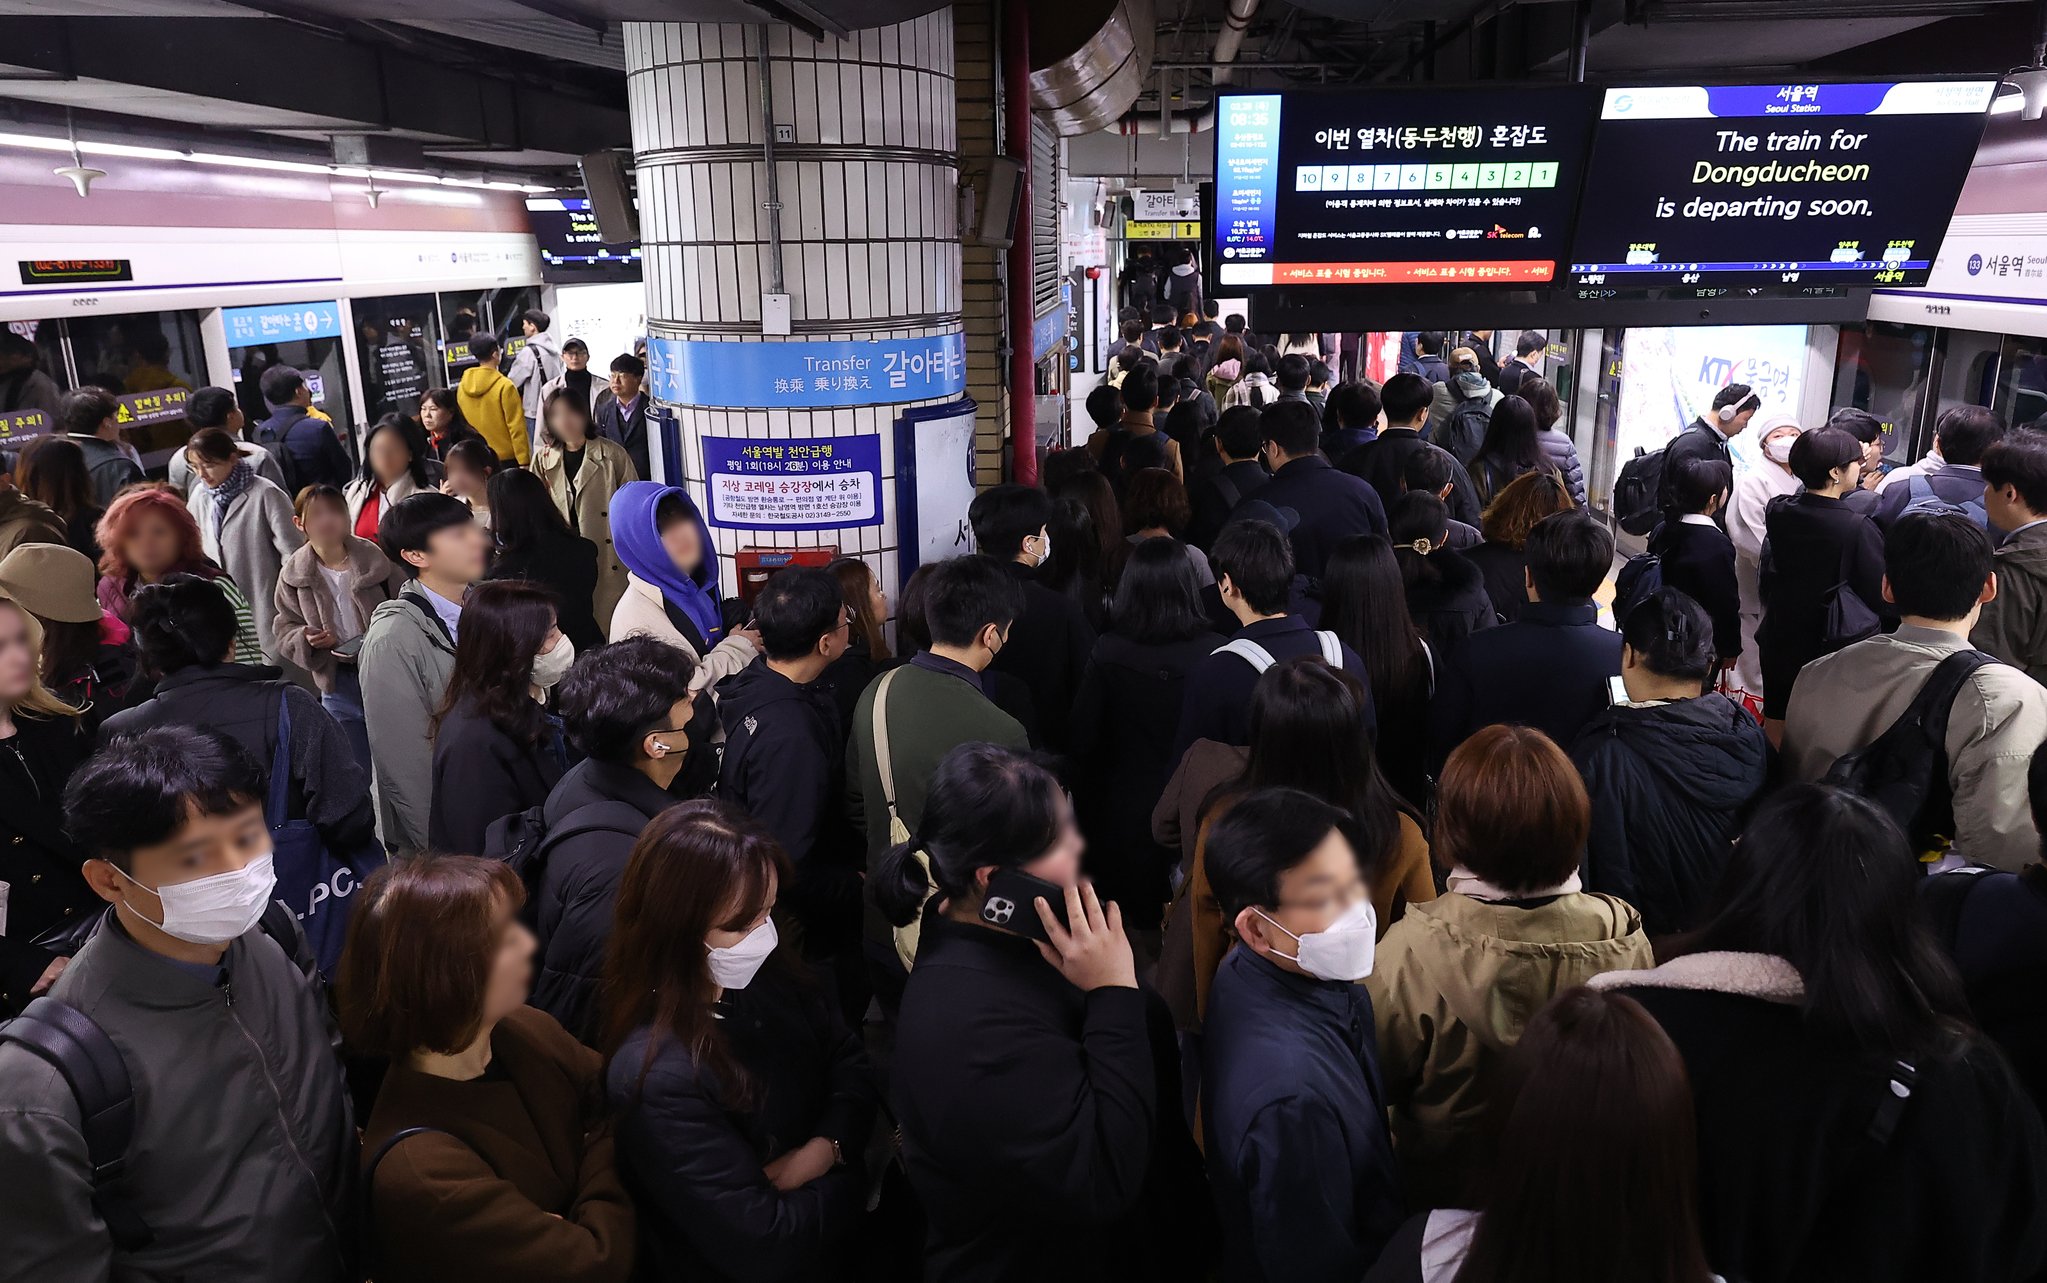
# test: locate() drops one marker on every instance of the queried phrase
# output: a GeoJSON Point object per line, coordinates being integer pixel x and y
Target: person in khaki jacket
{"type": "Point", "coordinates": [1938, 571]}
{"type": "Point", "coordinates": [1457, 979]}
{"type": "Point", "coordinates": [2013, 626]}
{"type": "Point", "coordinates": [583, 471]}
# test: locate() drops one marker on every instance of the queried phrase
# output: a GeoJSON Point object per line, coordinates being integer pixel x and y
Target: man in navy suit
{"type": "Point", "coordinates": [624, 417]}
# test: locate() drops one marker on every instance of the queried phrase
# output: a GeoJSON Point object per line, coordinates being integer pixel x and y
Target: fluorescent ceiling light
{"type": "Point", "coordinates": [37, 142]}
{"type": "Point", "coordinates": [2007, 104]}
{"type": "Point", "coordinates": [259, 162]}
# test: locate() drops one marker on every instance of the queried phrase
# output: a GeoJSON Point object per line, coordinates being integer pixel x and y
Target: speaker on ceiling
{"type": "Point", "coordinates": [1000, 210]}
{"type": "Point", "coordinates": [611, 197]}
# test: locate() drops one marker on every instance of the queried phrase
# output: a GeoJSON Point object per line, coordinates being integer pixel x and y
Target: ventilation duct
{"type": "Point", "coordinates": [1089, 60]}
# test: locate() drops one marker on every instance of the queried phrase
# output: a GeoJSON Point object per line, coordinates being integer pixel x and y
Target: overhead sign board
{"type": "Point", "coordinates": [806, 374]}
{"type": "Point", "coordinates": [280, 323]}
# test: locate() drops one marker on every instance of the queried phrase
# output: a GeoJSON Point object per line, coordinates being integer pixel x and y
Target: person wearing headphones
{"type": "Point", "coordinates": [1707, 438]}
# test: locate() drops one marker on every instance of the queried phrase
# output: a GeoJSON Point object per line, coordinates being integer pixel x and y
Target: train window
{"type": "Point", "coordinates": [2021, 394]}
{"type": "Point", "coordinates": [1884, 368]}
{"type": "Point", "coordinates": [1970, 361]}
{"type": "Point", "coordinates": [149, 359]}
{"type": "Point", "coordinates": [315, 353]}
{"type": "Point", "coordinates": [396, 340]}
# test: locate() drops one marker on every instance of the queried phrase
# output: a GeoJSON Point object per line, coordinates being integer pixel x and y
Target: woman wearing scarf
{"type": "Point", "coordinates": [672, 586]}
{"type": "Point", "coordinates": [245, 525]}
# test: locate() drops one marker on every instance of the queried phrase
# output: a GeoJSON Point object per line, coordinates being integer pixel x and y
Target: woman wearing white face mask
{"type": "Point", "coordinates": [1290, 1094]}
{"type": "Point", "coordinates": [1753, 491]}
{"type": "Point", "coordinates": [496, 749]}
{"type": "Point", "coordinates": [1458, 979]}
{"type": "Point", "coordinates": [742, 1101]}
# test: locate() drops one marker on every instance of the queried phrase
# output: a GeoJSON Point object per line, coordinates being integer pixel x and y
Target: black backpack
{"type": "Point", "coordinates": [76, 1047]}
{"type": "Point", "coordinates": [1641, 578]}
{"type": "Point", "coordinates": [1904, 770]}
{"type": "Point", "coordinates": [1464, 432]}
{"type": "Point", "coordinates": [1635, 492]}
{"type": "Point", "coordinates": [523, 840]}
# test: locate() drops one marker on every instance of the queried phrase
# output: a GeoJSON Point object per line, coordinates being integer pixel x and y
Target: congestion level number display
{"type": "Point", "coordinates": [1701, 187]}
{"type": "Point", "coordinates": [1398, 187]}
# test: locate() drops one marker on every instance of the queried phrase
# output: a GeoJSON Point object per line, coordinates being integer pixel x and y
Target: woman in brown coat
{"type": "Point", "coordinates": [488, 1156]}
{"type": "Point", "coordinates": [582, 471]}
{"type": "Point", "coordinates": [1307, 732]}
{"type": "Point", "coordinates": [326, 593]}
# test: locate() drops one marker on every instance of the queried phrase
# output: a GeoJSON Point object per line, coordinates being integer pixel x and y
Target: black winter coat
{"type": "Point", "coordinates": [482, 775]}
{"type": "Point", "coordinates": [306, 448]}
{"type": "Point", "coordinates": [1505, 569]}
{"type": "Point", "coordinates": [1215, 496]}
{"type": "Point", "coordinates": [1124, 723]}
{"type": "Point", "coordinates": [1811, 543]}
{"type": "Point", "coordinates": [785, 765]}
{"type": "Point", "coordinates": [693, 1160]}
{"type": "Point", "coordinates": [1549, 671]}
{"type": "Point", "coordinates": [1698, 560]}
{"type": "Point", "coordinates": [39, 864]}
{"type": "Point", "coordinates": [1218, 690]}
{"type": "Point", "coordinates": [1047, 650]}
{"type": "Point", "coordinates": [1670, 787]}
{"type": "Point", "coordinates": [1451, 607]}
{"type": "Point", "coordinates": [579, 883]}
{"type": "Point", "coordinates": [1698, 441]}
{"type": "Point", "coordinates": [1382, 461]}
{"type": "Point", "coordinates": [1331, 505]}
{"type": "Point", "coordinates": [567, 565]}
{"type": "Point", "coordinates": [1793, 1188]}
{"type": "Point", "coordinates": [328, 786]}
{"type": "Point", "coordinates": [1041, 1126]}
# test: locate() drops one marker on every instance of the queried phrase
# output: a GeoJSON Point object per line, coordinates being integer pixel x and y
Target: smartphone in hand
{"type": "Point", "coordinates": [1010, 892]}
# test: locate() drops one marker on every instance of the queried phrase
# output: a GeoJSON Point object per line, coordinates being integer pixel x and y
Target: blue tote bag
{"type": "Point", "coordinates": [314, 883]}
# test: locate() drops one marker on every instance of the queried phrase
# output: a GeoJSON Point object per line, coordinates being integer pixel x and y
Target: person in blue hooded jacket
{"type": "Point", "coordinates": [672, 581]}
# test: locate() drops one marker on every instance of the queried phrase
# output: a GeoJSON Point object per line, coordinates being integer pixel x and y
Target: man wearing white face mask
{"type": "Point", "coordinates": [242, 1153]}
{"type": "Point", "coordinates": [1292, 1106]}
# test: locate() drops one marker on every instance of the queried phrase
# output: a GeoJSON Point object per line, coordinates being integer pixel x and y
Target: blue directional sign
{"type": "Point", "coordinates": [805, 374]}
{"type": "Point", "coordinates": [281, 322]}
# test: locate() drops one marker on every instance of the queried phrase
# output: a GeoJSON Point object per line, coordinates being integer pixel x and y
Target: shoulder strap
{"type": "Point", "coordinates": [883, 766]}
{"type": "Point", "coordinates": [1332, 649]}
{"type": "Point", "coordinates": [433, 617]}
{"type": "Point", "coordinates": [1429, 658]}
{"type": "Point", "coordinates": [77, 1048]}
{"type": "Point", "coordinates": [277, 805]}
{"type": "Point", "coordinates": [1249, 651]}
{"type": "Point", "coordinates": [1229, 489]}
{"type": "Point", "coordinates": [282, 925]}
{"type": "Point", "coordinates": [1937, 697]}
{"type": "Point", "coordinates": [366, 1223]}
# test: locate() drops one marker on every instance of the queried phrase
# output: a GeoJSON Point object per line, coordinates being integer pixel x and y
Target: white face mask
{"type": "Point", "coordinates": [550, 666]}
{"type": "Point", "coordinates": [1341, 951]}
{"type": "Point", "coordinates": [735, 967]}
{"type": "Point", "coordinates": [1044, 549]}
{"type": "Point", "coordinates": [216, 909]}
{"type": "Point", "coordinates": [1779, 448]}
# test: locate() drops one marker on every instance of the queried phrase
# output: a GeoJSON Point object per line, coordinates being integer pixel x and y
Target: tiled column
{"type": "Point", "coordinates": [866, 162]}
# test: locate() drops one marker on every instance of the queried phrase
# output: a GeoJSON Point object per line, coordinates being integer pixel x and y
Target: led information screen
{"type": "Point", "coordinates": [571, 247]}
{"type": "Point", "coordinates": [1806, 184]}
{"type": "Point", "coordinates": [1451, 186]}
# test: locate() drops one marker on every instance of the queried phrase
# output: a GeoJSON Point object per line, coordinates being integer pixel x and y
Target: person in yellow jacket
{"type": "Point", "coordinates": [491, 402]}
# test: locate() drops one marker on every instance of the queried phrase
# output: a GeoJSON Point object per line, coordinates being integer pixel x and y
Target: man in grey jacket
{"type": "Point", "coordinates": [90, 417]}
{"type": "Point", "coordinates": [408, 654]}
{"type": "Point", "coordinates": [2014, 623]}
{"type": "Point", "coordinates": [1938, 571]}
{"type": "Point", "coordinates": [538, 363]}
{"type": "Point", "coordinates": [243, 1155]}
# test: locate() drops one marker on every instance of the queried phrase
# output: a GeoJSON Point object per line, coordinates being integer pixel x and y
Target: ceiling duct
{"type": "Point", "coordinates": [1089, 60]}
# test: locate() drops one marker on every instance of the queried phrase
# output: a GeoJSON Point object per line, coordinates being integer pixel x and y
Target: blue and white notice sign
{"type": "Point", "coordinates": [281, 322]}
{"type": "Point", "coordinates": [793, 483]}
{"type": "Point", "coordinates": [806, 374]}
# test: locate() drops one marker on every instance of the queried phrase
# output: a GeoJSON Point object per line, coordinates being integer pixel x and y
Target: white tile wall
{"type": "Point", "coordinates": [866, 238]}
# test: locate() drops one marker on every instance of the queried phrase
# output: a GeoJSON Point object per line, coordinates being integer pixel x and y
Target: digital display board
{"type": "Point", "coordinates": [1711, 186]}
{"type": "Point", "coordinates": [1468, 186]}
{"type": "Point", "coordinates": [571, 247]}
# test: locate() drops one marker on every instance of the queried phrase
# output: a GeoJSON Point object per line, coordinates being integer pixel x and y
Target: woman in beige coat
{"type": "Point", "coordinates": [326, 593]}
{"type": "Point", "coordinates": [582, 471]}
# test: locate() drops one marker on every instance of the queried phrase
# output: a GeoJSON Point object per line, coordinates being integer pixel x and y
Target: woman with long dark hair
{"type": "Point", "coordinates": [583, 471]}
{"type": "Point", "coordinates": [1594, 1112]}
{"type": "Point", "coordinates": [1125, 715]}
{"type": "Point", "coordinates": [1558, 450]}
{"type": "Point", "coordinates": [743, 1104]}
{"type": "Point", "coordinates": [469, 465]}
{"type": "Point", "coordinates": [1445, 593]}
{"type": "Point", "coordinates": [394, 465]}
{"type": "Point", "coordinates": [1512, 448]}
{"type": "Point", "coordinates": [441, 417]}
{"type": "Point", "coordinates": [497, 1151]}
{"type": "Point", "coordinates": [1671, 771]}
{"type": "Point", "coordinates": [1025, 1074]}
{"type": "Point", "coordinates": [536, 543]}
{"type": "Point", "coordinates": [1087, 532]}
{"type": "Point", "coordinates": [1852, 1123]}
{"type": "Point", "coordinates": [1503, 558]}
{"type": "Point", "coordinates": [1307, 733]}
{"type": "Point", "coordinates": [496, 750]}
{"type": "Point", "coordinates": [52, 472]}
{"type": "Point", "coordinates": [869, 651]}
{"type": "Point", "coordinates": [1364, 602]}
{"type": "Point", "coordinates": [1457, 980]}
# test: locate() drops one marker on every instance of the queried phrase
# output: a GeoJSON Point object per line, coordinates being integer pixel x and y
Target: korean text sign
{"type": "Point", "coordinates": [783, 483]}
{"type": "Point", "coordinates": [280, 322]}
{"type": "Point", "coordinates": [806, 374]}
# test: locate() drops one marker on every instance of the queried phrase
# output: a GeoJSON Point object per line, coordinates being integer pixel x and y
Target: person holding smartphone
{"type": "Point", "coordinates": [1026, 1082]}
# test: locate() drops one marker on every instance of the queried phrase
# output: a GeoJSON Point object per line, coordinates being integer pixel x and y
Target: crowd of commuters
{"type": "Point", "coordinates": [1284, 849]}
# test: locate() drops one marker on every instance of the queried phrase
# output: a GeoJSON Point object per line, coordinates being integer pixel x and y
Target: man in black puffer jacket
{"type": "Point", "coordinates": [629, 708]}
{"type": "Point", "coordinates": [1671, 772]}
